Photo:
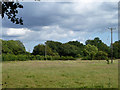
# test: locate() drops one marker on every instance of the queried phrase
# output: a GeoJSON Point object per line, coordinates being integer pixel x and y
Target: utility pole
{"type": "Point", "coordinates": [45, 51]}
{"type": "Point", "coordinates": [111, 44]}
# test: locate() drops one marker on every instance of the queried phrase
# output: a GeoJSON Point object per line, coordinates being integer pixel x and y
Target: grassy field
{"type": "Point", "coordinates": [60, 74]}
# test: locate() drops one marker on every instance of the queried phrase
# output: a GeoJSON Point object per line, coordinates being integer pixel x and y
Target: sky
{"type": "Point", "coordinates": [63, 22]}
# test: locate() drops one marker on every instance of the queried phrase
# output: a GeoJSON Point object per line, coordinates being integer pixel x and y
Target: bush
{"type": "Point", "coordinates": [42, 58]}
{"type": "Point", "coordinates": [56, 58]}
{"type": "Point", "coordinates": [21, 57]}
{"type": "Point", "coordinates": [11, 57]}
{"type": "Point", "coordinates": [86, 58]}
{"type": "Point", "coordinates": [78, 56]}
{"type": "Point", "coordinates": [0, 57]}
{"type": "Point", "coordinates": [38, 57]}
{"type": "Point", "coordinates": [66, 58]}
{"type": "Point", "coordinates": [101, 55]}
{"type": "Point", "coordinates": [48, 57]}
{"type": "Point", "coordinates": [31, 57]}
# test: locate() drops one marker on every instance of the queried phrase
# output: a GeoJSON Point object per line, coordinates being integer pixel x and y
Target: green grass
{"type": "Point", "coordinates": [60, 74]}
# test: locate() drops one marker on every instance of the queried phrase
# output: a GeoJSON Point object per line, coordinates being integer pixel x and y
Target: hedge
{"type": "Point", "coordinates": [11, 57]}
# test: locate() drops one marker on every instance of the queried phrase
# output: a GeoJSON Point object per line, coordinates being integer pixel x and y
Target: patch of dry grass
{"type": "Point", "coordinates": [60, 74]}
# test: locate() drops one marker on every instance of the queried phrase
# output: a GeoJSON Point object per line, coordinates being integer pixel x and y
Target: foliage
{"type": "Point", "coordinates": [79, 45]}
{"type": "Point", "coordinates": [13, 47]}
{"type": "Point", "coordinates": [67, 58]}
{"type": "Point", "coordinates": [78, 56]}
{"type": "Point", "coordinates": [76, 43]}
{"type": "Point", "coordinates": [72, 48]}
{"type": "Point", "coordinates": [41, 50]}
{"type": "Point", "coordinates": [10, 10]}
{"type": "Point", "coordinates": [55, 46]}
{"type": "Point", "coordinates": [90, 51]}
{"type": "Point", "coordinates": [0, 46]}
{"type": "Point", "coordinates": [116, 49]}
{"type": "Point", "coordinates": [101, 55]}
{"type": "Point", "coordinates": [69, 50]}
{"type": "Point", "coordinates": [12, 57]}
{"type": "Point", "coordinates": [99, 44]}
{"type": "Point", "coordinates": [15, 50]}
{"type": "Point", "coordinates": [86, 57]}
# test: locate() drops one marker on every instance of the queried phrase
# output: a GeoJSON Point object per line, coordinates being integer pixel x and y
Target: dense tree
{"type": "Point", "coordinates": [116, 49]}
{"type": "Point", "coordinates": [59, 50]}
{"type": "Point", "coordinates": [94, 42]}
{"type": "Point", "coordinates": [0, 46]}
{"type": "Point", "coordinates": [90, 51]}
{"type": "Point", "coordinates": [76, 43]}
{"type": "Point", "coordinates": [13, 47]}
{"type": "Point", "coordinates": [101, 55]}
{"type": "Point", "coordinates": [100, 45]}
{"type": "Point", "coordinates": [55, 46]}
{"type": "Point", "coordinates": [79, 45]}
{"type": "Point", "coordinates": [5, 48]}
{"type": "Point", "coordinates": [40, 50]}
{"type": "Point", "coordinates": [72, 48]}
{"type": "Point", "coordinates": [69, 50]}
{"type": "Point", "coordinates": [10, 10]}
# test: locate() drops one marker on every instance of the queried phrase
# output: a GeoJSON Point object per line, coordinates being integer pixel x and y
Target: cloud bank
{"type": "Point", "coordinates": [62, 21]}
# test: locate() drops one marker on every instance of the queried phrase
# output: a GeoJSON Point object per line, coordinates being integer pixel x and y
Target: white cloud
{"type": "Point", "coordinates": [69, 1]}
{"type": "Point", "coordinates": [46, 33]}
{"type": "Point", "coordinates": [45, 27]}
{"type": "Point", "coordinates": [78, 0]}
{"type": "Point", "coordinates": [51, 33]}
{"type": "Point", "coordinates": [15, 31]}
{"type": "Point", "coordinates": [64, 21]}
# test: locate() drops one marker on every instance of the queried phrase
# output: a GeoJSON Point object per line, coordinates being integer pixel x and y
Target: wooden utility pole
{"type": "Point", "coordinates": [111, 44]}
{"type": "Point", "coordinates": [45, 51]}
{"type": "Point", "coordinates": [111, 47]}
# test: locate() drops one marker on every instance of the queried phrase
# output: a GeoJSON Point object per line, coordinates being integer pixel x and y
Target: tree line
{"type": "Point", "coordinates": [52, 50]}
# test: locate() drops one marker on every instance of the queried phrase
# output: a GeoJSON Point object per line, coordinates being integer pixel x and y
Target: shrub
{"type": "Point", "coordinates": [42, 58]}
{"type": "Point", "coordinates": [78, 56]}
{"type": "Point", "coordinates": [38, 57]}
{"type": "Point", "coordinates": [31, 57]}
{"type": "Point", "coordinates": [22, 57]}
{"type": "Point", "coordinates": [67, 58]}
{"type": "Point", "coordinates": [101, 55]}
{"type": "Point", "coordinates": [86, 58]}
{"type": "Point", "coordinates": [56, 58]}
{"type": "Point", "coordinates": [49, 57]}
{"type": "Point", "coordinates": [11, 57]}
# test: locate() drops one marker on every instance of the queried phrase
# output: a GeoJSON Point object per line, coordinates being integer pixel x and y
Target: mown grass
{"type": "Point", "coordinates": [60, 74]}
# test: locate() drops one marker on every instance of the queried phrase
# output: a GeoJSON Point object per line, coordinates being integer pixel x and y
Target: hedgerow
{"type": "Point", "coordinates": [12, 57]}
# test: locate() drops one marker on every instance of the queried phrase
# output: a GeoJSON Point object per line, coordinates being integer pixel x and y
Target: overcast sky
{"type": "Point", "coordinates": [63, 21]}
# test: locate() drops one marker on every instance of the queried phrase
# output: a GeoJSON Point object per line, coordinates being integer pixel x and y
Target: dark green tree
{"type": "Point", "coordinates": [79, 45]}
{"type": "Point", "coordinates": [40, 50]}
{"type": "Point", "coordinates": [116, 49]}
{"type": "Point", "coordinates": [0, 46]}
{"type": "Point", "coordinates": [76, 43]}
{"type": "Point", "coordinates": [69, 50]}
{"type": "Point", "coordinates": [90, 51]}
{"type": "Point", "coordinates": [100, 45]}
{"type": "Point", "coordinates": [101, 55]}
{"type": "Point", "coordinates": [55, 46]}
{"type": "Point", "coordinates": [13, 47]}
